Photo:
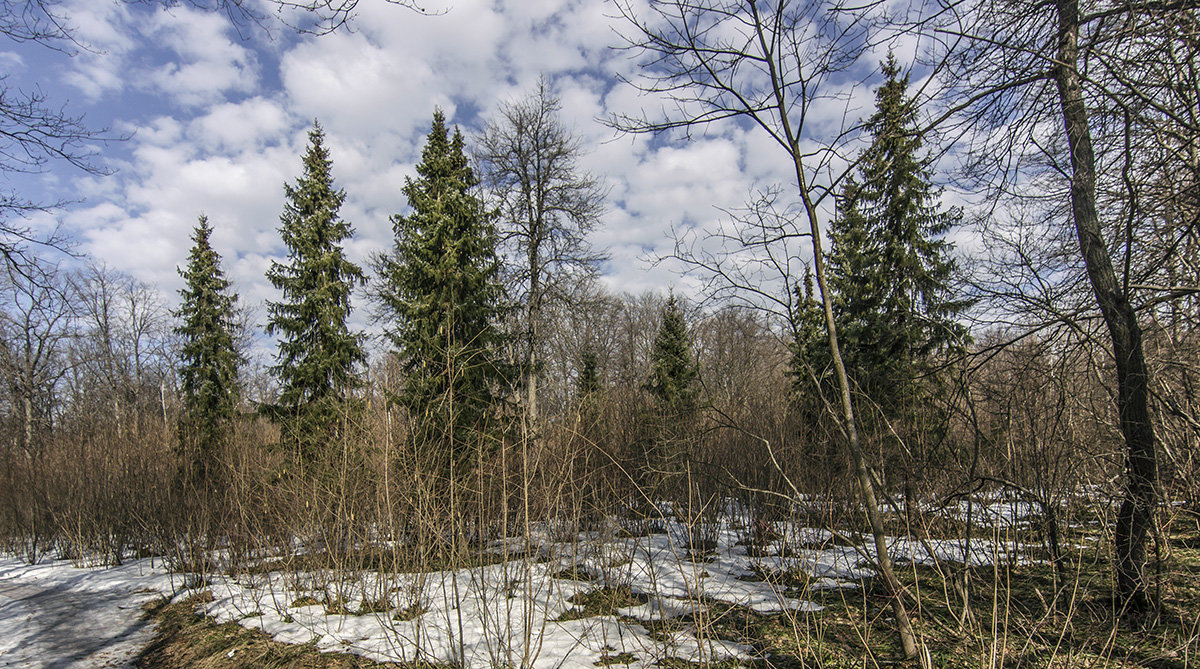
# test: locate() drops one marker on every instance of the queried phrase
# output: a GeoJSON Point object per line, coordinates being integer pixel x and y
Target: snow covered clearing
{"type": "Point", "coordinates": [656, 594]}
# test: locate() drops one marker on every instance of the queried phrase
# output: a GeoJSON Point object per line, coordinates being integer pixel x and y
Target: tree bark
{"type": "Point", "coordinates": [534, 314]}
{"type": "Point", "coordinates": [27, 405]}
{"type": "Point", "coordinates": [866, 483]}
{"type": "Point", "coordinates": [1135, 517]}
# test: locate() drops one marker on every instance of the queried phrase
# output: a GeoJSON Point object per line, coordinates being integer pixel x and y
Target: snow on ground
{"type": "Point", "coordinates": [518, 611]}
{"type": "Point", "coordinates": [56, 615]}
{"type": "Point", "coordinates": [514, 611]}
{"type": "Point", "coordinates": [994, 510]}
{"type": "Point", "coordinates": [523, 610]}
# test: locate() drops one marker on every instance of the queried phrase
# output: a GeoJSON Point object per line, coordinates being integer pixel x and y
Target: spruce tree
{"type": "Point", "coordinates": [210, 360]}
{"type": "Point", "coordinates": [889, 265]}
{"type": "Point", "coordinates": [441, 299]}
{"type": "Point", "coordinates": [672, 384]}
{"type": "Point", "coordinates": [811, 371]}
{"type": "Point", "coordinates": [318, 354]}
{"type": "Point", "coordinates": [588, 387]}
{"type": "Point", "coordinates": [809, 347]}
{"type": "Point", "coordinates": [673, 369]}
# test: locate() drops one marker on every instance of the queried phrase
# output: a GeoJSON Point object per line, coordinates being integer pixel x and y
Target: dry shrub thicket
{"type": "Point", "coordinates": [90, 469]}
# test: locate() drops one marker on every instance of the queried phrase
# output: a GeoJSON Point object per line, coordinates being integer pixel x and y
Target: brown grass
{"type": "Point", "coordinates": [186, 639]}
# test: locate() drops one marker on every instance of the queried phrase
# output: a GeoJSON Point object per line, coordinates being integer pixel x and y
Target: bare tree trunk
{"type": "Point", "coordinates": [532, 382]}
{"type": "Point", "coordinates": [531, 373]}
{"type": "Point", "coordinates": [27, 404]}
{"type": "Point", "coordinates": [766, 63]}
{"type": "Point", "coordinates": [162, 399]}
{"type": "Point", "coordinates": [866, 484]}
{"type": "Point", "coordinates": [1135, 518]}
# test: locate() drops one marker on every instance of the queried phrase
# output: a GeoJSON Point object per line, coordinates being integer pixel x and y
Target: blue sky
{"type": "Point", "coordinates": [216, 122]}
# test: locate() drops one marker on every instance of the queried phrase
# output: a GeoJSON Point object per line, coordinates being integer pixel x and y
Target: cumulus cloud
{"type": "Point", "coordinates": [207, 64]}
{"type": "Point", "coordinates": [104, 31]}
{"type": "Point", "coordinates": [237, 127]}
{"type": "Point", "coordinates": [221, 124]}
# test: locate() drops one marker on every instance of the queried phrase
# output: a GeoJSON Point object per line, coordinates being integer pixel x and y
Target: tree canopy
{"type": "Point", "coordinates": [318, 354]}
{"type": "Point", "coordinates": [441, 299]}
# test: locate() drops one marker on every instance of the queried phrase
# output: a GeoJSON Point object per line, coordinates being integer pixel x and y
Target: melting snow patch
{"type": "Point", "coordinates": [513, 612]}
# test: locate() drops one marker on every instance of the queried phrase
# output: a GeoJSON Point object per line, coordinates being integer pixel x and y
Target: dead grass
{"type": "Point", "coordinates": [602, 602]}
{"type": "Point", "coordinates": [184, 639]}
{"type": "Point", "coordinates": [1018, 619]}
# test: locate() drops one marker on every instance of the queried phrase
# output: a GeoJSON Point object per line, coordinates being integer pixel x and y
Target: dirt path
{"type": "Point", "coordinates": [55, 624]}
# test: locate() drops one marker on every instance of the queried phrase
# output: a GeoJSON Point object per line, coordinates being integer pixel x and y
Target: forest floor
{"type": "Point", "coordinates": [683, 596]}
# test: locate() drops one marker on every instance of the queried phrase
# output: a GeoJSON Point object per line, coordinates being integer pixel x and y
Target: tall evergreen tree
{"type": "Point", "coordinates": [673, 368]}
{"type": "Point", "coordinates": [318, 354]}
{"type": "Point", "coordinates": [587, 384]}
{"type": "Point", "coordinates": [672, 384]}
{"type": "Point", "coordinates": [588, 388]}
{"type": "Point", "coordinates": [209, 373]}
{"type": "Point", "coordinates": [441, 298]}
{"type": "Point", "coordinates": [889, 264]}
{"type": "Point", "coordinates": [808, 348]}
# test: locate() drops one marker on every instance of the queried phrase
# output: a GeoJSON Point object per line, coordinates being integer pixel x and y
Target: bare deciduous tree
{"type": "Point", "coordinates": [768, 64]}
{"type": "Point", "coordinates": [1103, 75]}
{"type": "Point", "coordinates": [123, 350]}
{"type": "Point", "coordinates": [529, 163]}
{"type": "Point", "coordinates": [35, 329]}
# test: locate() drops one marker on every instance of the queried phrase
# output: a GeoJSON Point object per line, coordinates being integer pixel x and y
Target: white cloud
{"type": "Point", "coordinates": [162, 131]}
{"type": "Point", "coordinates": [240, 126]}
{"type": "Point", "coordinates": [684, 183]}
{"type": "Point", "coordinates": [231, 117]}
{"type": "Point", "coordinates": [209, 64]}
{"type": "Point", "coordinates": [10, 61]}
{"type": "Point", "coordinates": [360, 89]}
{"type": "Point", "coordinates": [101, 67]}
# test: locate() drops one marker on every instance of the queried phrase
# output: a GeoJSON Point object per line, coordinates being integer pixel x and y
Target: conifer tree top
{"type": "Point", "coordinates": [889, 266]}
{"type": "Point", "coordinates": [443, 167]}
{"type": "Point", "coordinates": [440, 298]}
{"type": "Point", "coordinates": [672, 367]}
{"type": "Point", "coordinates": [317, 352]}
{"type": "Point", "coordinates": [204, 281]}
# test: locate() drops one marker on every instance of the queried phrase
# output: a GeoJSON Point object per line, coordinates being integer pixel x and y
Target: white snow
{"type": "Point", "coordinates": [510, 612]}
{"type": "Point", "coordinates": [56, 615]}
